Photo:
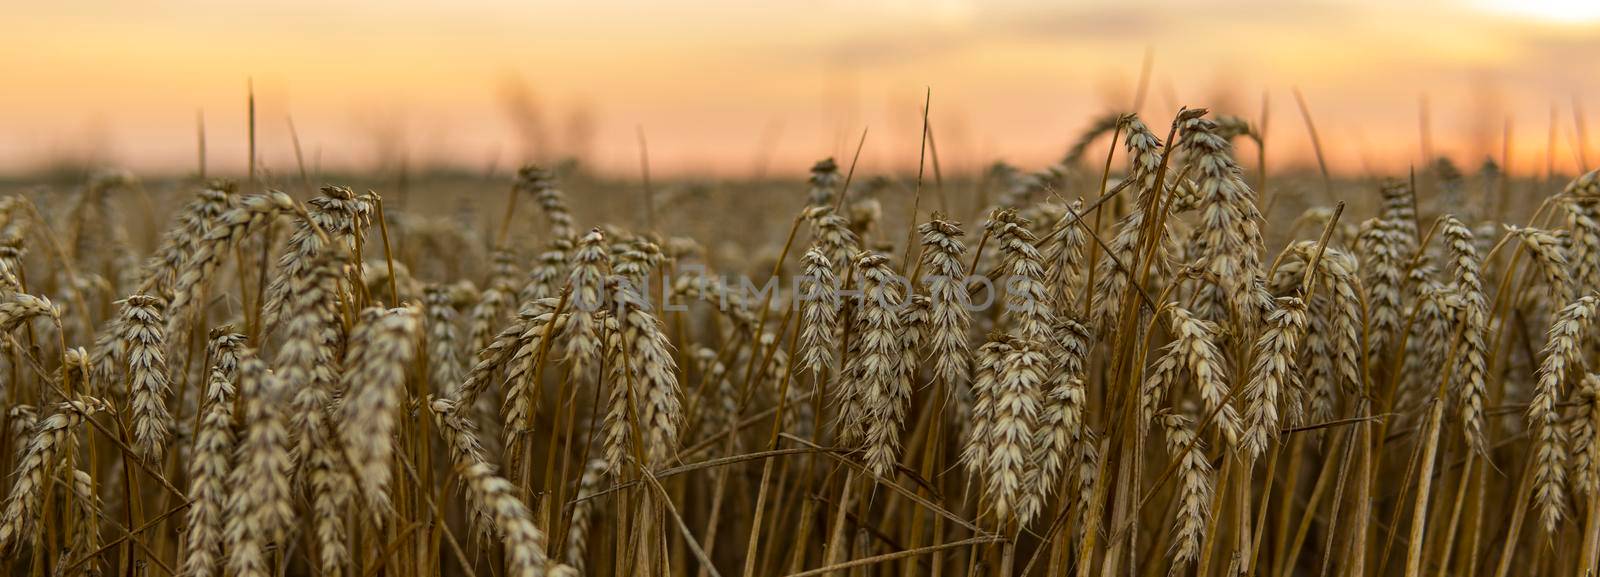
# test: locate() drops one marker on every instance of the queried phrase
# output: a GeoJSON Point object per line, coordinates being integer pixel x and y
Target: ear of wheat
{"type": "Point", "coordinates": [1059, 433]}
{"type": "Point", "coordinates": [1473, 364]}
{"type": "Point", "coordinates": [985, 383]}
{"type": "Point", "coordinates": [1275, 365]}
{"type": "Point", "coordinates": [1028, 303]}
{"type": "Point", "coordinates": [1561, 356]}
{"type": "Point", "coordinates": [950, 319]}
{"type": "Point", "coordinates": [1015, 409]}
{"type": "Point", "coordinates": [194, 222]}
{"type": "Point", "coordinates": [521, 382]}
{"type": "Point", "coordinates": [1195, 341]}
{"type": "Point", "coordinates": [336, 215]}
{"type": "Point", "coordinates": [1194, 492]}
{"type": "Point", "coordinates": [210, 466]}
{"type": "Point", "coordinates": [51, 436]}
{"type": "Point", "coordinates": [882, 386]}
{"type": "Point", "coordinates": [1231, 245]}
{"type": "Point", "coordinates": [230, 228]}
{"type": "Point", "coordinates": [587, 283]}
{"type": "Point", "coordinates": [819, 315]}
{"type": "Point", "coordinates": [144, 338]}
{"type": "Point", "coordinates": [375, 383]}
{"type": "Point", "coordinates": [524, 542]}
{"type": "Point", "coordinates": [577, 543]}
{"type": "Point", "coordinates": [542, 183]}
{"type": "Point", "coordinates": [258, 512]}
{"type": "Point", "coordinates": [831, 233]}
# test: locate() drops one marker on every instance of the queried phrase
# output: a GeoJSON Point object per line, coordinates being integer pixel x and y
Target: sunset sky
{"type": "Point", "coordinates": [735, 87]}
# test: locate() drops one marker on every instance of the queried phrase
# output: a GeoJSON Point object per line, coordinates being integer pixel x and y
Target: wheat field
{"type": "Point", "coordinates": [1155, 357]}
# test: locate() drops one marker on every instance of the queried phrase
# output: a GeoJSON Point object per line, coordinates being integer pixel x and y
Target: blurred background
{"type": "Point", "coordinates": [738, 89]}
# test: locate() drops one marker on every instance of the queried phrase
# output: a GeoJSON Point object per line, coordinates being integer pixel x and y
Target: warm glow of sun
{"type": "Point", "coordinates": [1558, 11]}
